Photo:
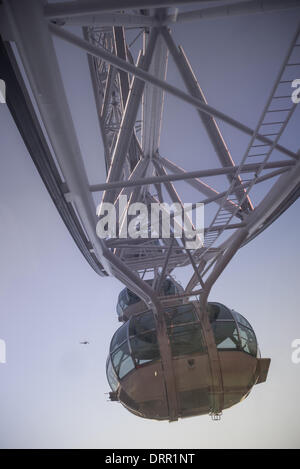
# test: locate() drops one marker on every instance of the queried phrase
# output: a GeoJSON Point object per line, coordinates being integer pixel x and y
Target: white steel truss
{"type": "Point", "coordinates": [129, 98]}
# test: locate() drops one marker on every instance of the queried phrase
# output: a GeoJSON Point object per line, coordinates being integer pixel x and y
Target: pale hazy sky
{"type": "Point", "coordinates": [53, 390]}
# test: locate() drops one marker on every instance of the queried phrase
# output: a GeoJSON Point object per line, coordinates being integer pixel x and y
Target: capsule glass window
{"type": "Point", "coordinates": [182, 314]}
{"type": "Point", "coordinates": [240, 319]}
{"type": "Point", "coordinates": [119, 337]}
{"type": "Point", "coordinates": [218, 312]}
{"type": "Point", "coordinates": [169, 287]}
{"type": "Point", "coordinates": [226, 335]}
{"type": "Point", "coordinates": [122, 360]}
{"type": "Point", "coordinates": [248, 340]}
{"type": "Point", "coordinates": [144, 348]}
{"type": "Point", "coordinates": [186, 339]}
{"type": "Point", "coordinates": [141, 323]}
{"type": "Point", "coordinates": [111, 376]}
{"type": "Point", "coordinates": [143, 338]}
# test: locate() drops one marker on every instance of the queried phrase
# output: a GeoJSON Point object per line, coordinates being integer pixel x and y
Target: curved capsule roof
{"type": "Point", "coordinates": [128, 299]}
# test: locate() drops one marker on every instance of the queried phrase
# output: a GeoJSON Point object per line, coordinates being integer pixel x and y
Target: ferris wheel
{"type": "Point", "coordinates": [176, 353]}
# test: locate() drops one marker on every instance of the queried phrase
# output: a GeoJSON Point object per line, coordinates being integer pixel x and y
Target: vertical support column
{"type": "Point", "coordinates": [121, 52]}
{"type": "Point", "coordinates": [128, 120]}
{"type": "Point", "coordinates": [216, 386]}
{"type": "Point", "coordinates": [167, 365]}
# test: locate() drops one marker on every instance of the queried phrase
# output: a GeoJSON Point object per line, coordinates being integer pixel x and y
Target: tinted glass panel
{"type": "Point", "coordinates": [248, 340]}
{"type": "Point", "coordinates": [241, 319]}
{"type": "Point", "coordinates": [127, 298]}
{"type": "Point", "coordinates": [218, 311]}
{"type": "Point", "coordinates": [119, 337]}
{"type": "Point", "coordinates": [132, 298]}
{"type": "Point", "coordinates": [226, 335]}
{"type": "Point", "coordinates": [145, 348]}
{"type": "Point", "coordinates": [111, 376]}
{"type": "Point", "coordinates": [169, 287]}
{"type": "Point", "coordinates": [122, 300]}
{"type": "Point", "coordinates": [119, 310]}
{"type": "Point", "coordinates": [186, 339]}
{"type": "Point", "coordinates": [180, 315]}
{"type": "Point", "coordinates": [122, 361]}
{"type": "Point", "coordinates": [141, 323]}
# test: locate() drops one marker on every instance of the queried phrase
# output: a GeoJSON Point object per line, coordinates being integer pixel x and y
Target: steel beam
{"type": "Point", "coordinates": [108, 186]}
{"type": "Point", "coordinates": [145, 76]}
{"type": "Point", "coordinates": [153, 101]}
{"type": "Point", "coordinates": [209, 122]}
{"type": "Point", "coordinates": [136, 173]}
{"type": "Point", "coordinates": [92, 7]}
{"type": "Point", "coordinates": [129, 119]}
{"type": "Point", "coordinates": [196, 269]}
{"type": "Point", "coordinates": [196, 183]}
{"type": "Point", "coordinates": [111, 19]}
{"type": "Point", "coordinates": [165, 266]}
{"type": "Point", "coordinates": [120, 47]}
{"type": "Point", "coordinates": [108, 89]}
{"type": "Point", "coordinates": [235, 9]}
{"type": "Point", "coordinates": [281, 190]}
{"type": "Point", "coordinates": [99, 101]}
{"type": "Point", "coordinates": [172, 193]}
{"type": "Point", "coordinates": [237, 240]}
{"type": "Point", "coordinates": [121, 51]}
{"type": "Point", "coordinates": [247, 184]}
{"type": "Point", "coordinates": [41, 66]}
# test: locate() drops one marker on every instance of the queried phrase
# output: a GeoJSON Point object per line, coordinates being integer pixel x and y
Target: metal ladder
{"type": "Point", "coordinates": [273, 129]}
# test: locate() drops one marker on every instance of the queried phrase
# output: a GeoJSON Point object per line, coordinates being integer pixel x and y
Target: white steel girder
{"type": "Point", "coordinates": [148, 86]}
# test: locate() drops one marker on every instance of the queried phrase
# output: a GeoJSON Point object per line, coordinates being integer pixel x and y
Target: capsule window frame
{"type": "Point", "coordinates": [127, 340]}
{"type": "Point", "coordinates": [250, 328]}
{"type": "Point", "coordinates": [234, 315]}
{"type": "Point", "coordinates": [194, 322]}
{"type": "Point", "coordinates": [190, 353]}
{"type": "Point", "coordinates": [228, 349]}
{"type": "Point", "coordinates": [131, 336]}
{"type": "Point", "coordinates": [120, 361]}
{"type": "Point", "coordinates": [255, 339]}
{"type": "Point", "coordinates": [109, 362]}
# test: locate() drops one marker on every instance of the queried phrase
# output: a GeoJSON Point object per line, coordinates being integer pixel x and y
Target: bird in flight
{"type": "Point", "coordinates": [84, 343]}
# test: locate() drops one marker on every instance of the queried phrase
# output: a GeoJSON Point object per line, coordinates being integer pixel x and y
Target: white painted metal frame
{"type": "Point", "coordinates": [134, 166]}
